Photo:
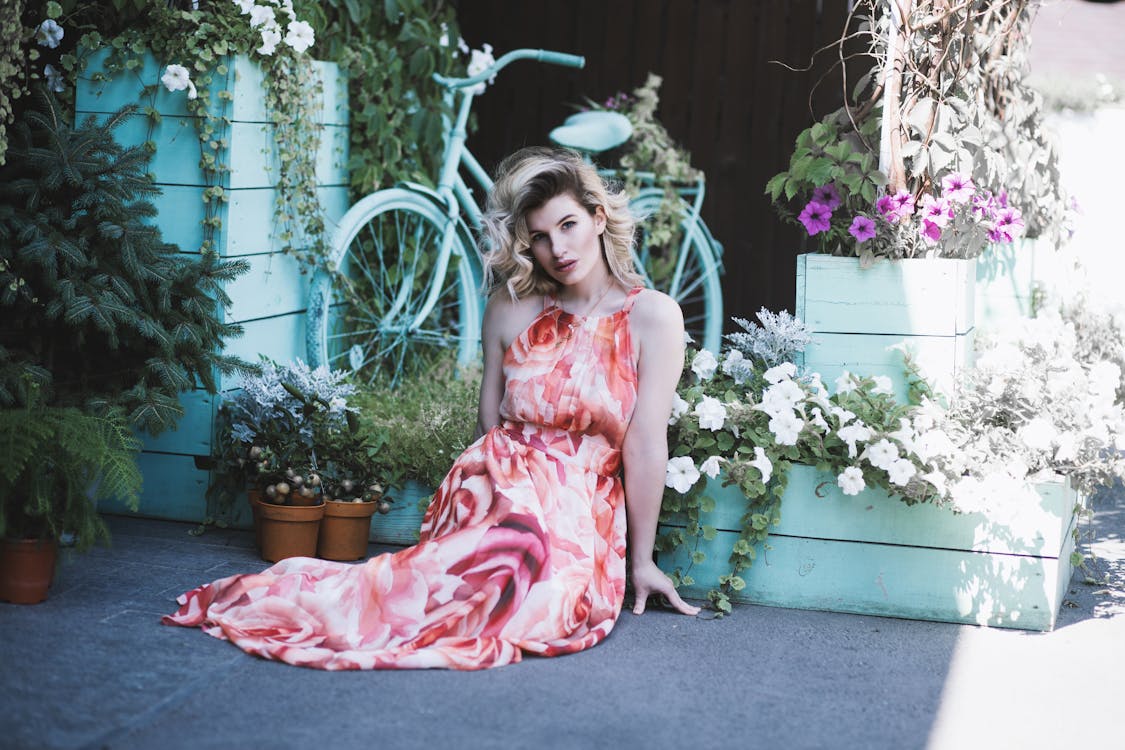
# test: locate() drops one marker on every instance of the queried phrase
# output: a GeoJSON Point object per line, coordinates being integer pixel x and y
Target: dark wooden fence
{"type": "Point", "coordinates": [737, 112]}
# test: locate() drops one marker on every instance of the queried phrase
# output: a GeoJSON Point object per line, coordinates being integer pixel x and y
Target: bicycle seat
{"type": "Point", "coordinates": [593, 132]}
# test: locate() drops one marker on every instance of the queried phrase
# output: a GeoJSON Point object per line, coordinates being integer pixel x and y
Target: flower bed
{"type": "Point", "coordinates": [1006, 565]}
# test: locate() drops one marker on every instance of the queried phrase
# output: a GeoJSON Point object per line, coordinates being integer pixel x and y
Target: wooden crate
{"type": "Point", "coordinates": [1006, 277]}
{"type": "Point", "coordinates": [269, 301]}
{"type": "Point", "coordinates": [873, 554]}
{"type": "Point", "coordinates": [857, 315]}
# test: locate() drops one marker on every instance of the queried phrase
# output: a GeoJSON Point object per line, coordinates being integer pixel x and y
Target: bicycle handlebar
{"type": "Point", "coordinates": [541, 55]}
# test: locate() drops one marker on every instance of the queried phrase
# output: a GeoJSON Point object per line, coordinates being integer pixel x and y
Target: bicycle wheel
{"type": "Point", "coordinates": [389, 303]}
{"type": "Point", "coordinates": [686, 268]}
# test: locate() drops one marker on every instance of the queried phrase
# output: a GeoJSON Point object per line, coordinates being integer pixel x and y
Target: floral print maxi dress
{"type": "Point", "coordinates": [522, 548]}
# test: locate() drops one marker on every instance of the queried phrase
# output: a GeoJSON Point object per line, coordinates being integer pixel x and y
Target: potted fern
{"type": "Point", "coordinates": [57, 463]}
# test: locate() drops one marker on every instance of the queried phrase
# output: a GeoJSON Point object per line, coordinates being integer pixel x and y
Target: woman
{"type": "Point", "coordinates": [523, 546]}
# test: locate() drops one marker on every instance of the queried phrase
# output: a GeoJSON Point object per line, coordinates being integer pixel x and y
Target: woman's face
{"type": "Point", "coordinates": [565, 239]}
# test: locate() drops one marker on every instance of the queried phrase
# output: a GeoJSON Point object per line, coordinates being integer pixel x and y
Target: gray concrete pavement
{"type": "Point", "coordinates": [93, 668]}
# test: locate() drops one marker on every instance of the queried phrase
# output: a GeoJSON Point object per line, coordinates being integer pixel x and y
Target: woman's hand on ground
{"type": "Point", "coordinates": [648, 580]}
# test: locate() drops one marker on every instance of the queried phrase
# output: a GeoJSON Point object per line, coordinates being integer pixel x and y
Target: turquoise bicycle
{"type": "Point", "coordinates": [402, 285]}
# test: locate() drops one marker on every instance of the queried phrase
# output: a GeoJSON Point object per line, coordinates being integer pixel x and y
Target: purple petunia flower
{"type": "Point", "coordinates": [957, 187]}
{"type": "Point", "coordinates": [1009, 225]}
{"type": "Point", "coordinates": [886, 207]}
{"type": "Point", "coordinates": [984, 206]}
{"type": "Point", "coordinates": [936, 210]}
{"type": "Point", "coordinates": [826, 195]}
{"type": "Point", "coordinates": [862, 228]}
{"type": "Point", "coordinates": [816, 217]}
{"type": "Point", "coordinates": [904, 203]}
{"type": "Point", "coordinates": [930, 232]}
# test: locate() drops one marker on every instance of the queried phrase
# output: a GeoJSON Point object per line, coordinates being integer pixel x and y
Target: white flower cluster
{"type": "Point", "coordinates": [801, 406]}
{"type": "Point", "coordinates": [479, 61]}
{"type": "Point", "coordinates": [1033, 407]}
{"type": "Point", "coordinates": [298, 35]}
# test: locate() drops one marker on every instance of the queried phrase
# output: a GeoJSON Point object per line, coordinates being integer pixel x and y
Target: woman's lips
{"type": "Point", "coordinates": [565, 266]}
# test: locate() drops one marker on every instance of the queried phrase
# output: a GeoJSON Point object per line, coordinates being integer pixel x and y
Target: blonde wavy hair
{"type": "Point", "coordinates": [525, 181]}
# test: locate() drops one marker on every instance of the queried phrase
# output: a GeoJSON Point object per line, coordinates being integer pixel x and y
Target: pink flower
{"type": "Point", "coordinates": [984, 206]}
{"type": "Point", "coordinates": [816, 217]}
{"type": "Point", "coordinates": [930, 232]}
{"type": "Point", "coordinates": [936, 210]}
{"type": "Point", "coordinates": [904, 203]}
{"type": "Point", "coordinates": [826, 195]}
{"type": "Point", "coordinates": [862, 228]}
{"type": "Point", "coordinates": [957, 187]}
{"type": "Point", "coordinates": [886, 207]}
{"type": "Point", "coordinates": [1009, 225]}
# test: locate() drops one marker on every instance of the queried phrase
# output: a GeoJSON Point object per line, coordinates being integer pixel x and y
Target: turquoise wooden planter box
{"type": "Point", "coordinates": [1006, 276]}
{"type": "Point", "coordinates": [873, 554]}
{"type": "Point", "coordinates": [856, 315]}
{"type": "Point", "coordinates": [270, 300]}
{"type": "Point", "coordinates": [401, 525]}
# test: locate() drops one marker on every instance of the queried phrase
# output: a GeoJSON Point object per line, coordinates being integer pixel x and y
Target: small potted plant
{"type": "Point", "coordinates": [58, 461]}
{"type": "Point", "coordinates": [352, 493]}
{"type": "Point", "coordinates": [267, 448]}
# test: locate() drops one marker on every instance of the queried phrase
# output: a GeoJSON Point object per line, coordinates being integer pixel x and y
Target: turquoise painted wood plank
{"type": "Point", "coordinates": [254, 164]}
{"type": "Point", "coordinates": [248, 77]}
{"type": "Point", "coordinates": [193, 432]}
{"type": "Point", "coordinates": [942, 359]}
{"type": "Point", "coordinates": [813, 506]}
{"type": "Point", "coordinates": [281, 338]}
{"type": "Point", "coordinates": [250, 225]}
{"type": "Point", "coordinates": [244, 80]}
{"type": "Point", "coordinates": [925, 297]}
{"type": "Point", "coordinates": [253, 160]}
{"type": "Point", "coordinates": [1011, 591]}
{"type": "Point", "coordinates": [402, 524]}
{"type": "Point", "coordinates": [248, 217]}
{"type": "Point", "coordinates": [274, 285]}
{"type": "Point", "coordinates": [1006, 274]}
{"type": "Point", "coordinates": [174, 489]}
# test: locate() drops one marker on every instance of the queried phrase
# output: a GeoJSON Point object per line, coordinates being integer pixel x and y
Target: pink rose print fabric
{"type": "Point", "coordinates": [521, 550]}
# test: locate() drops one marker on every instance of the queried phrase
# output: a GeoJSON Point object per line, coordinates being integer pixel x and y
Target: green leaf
{"type": "Point", "coordinates": [776, 185]}
{"type": "Point", "coordinates": [710, 532]}
{"type": "Point", "coordinates": [54, 10]}
{"type": "Point", "coordinates": [698, 557]}
{"type": "Point", "coordinates": [737, 583]}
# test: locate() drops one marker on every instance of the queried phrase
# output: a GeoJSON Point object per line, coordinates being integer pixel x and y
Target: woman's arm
{"type": "Point", "coordinates": [492, 377]}
{"type": "Point", "coordinates": [658, 331]}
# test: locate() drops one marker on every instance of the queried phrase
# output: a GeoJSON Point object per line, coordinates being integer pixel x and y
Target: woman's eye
{"type": "Point", "coordinates": [567, 224]}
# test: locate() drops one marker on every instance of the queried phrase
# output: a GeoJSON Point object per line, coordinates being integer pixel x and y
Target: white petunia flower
{"type": "Point", "coordinates": [479, 61]}
{"type": "Point", "coordinates": [818, 419]}
{"type": "Point", "coordinates": [177, 78]}
{"type": "Point", "coordinates": [937, 479]}
{"type": "Point", "coordinates": [731, 360]}
{"type": "Point", "coordinates": [681, 474]}
{"type": "Point", "coordinates": [784, 371]}
{"type": "Point", "coordinates": [762, 463]}
{"type": "Point", "coordinates": [904, 434]}
{"type": "Point", "coordinates": [54, 78]}
{"type": "Point", "coordinates": [49, 34]}
{"type": "Point", "coordinates": [300, 36]}
{"type": "Point", "coordinates": [260, 14]}
{"type": "Point", "coordinates": [883, 385]}
{"type": "Point", "coordinates": [271, 37]}
{"type": "Point", "coordinates": [881, 454]}
{"type": "Point", "coordinates": [679, 408]}
{"type": "Point", "coordinates": [931, 444]}
{"type": "Point", "coordinates": [704, 364]}
{"type": "Point", "coordinates": [1038, 434]}
{"type": "Point", "coordinates": [711, 413]}
{"type": "Point", "coordinates": [901, 471]}
{"type": "Point", "coordinates": [786, 428]}
{"type": "Point", "coordinates": [843, 416]}
{"type": "Point", "coordinates": [287, 6]}
{"type": "Point", "coordinates": [710, 467]}
{"type": "Point", "coordinates": [845, 383]}
{"type": "Point", "coordinates": [1068, 447]}
{"type": "Point", "coordinates": [443, 40]}
{"type": "Point", "coordinates": [244, 6]}
{"type": "Point", "coordinates": [851, 481]}
{"type": "Point", "coordinates": [852, 434]}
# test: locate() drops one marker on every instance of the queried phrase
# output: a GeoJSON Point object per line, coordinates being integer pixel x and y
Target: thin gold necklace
{"type": "Point", "coordinates": [597, 302]}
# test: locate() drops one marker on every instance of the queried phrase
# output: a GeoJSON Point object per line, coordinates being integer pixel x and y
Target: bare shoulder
{"type": "Point", "coordinates": [655, 311]}
{"type": "Point", "coordinates": [505, 318]}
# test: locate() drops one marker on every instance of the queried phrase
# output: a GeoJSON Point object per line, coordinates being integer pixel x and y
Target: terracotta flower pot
{"type": "Point", "coordinates": [26, 569]}
{"type": "Point", "coordinates": [344, 530]}
{"type": "Point", "coordinates": [288, 530]}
